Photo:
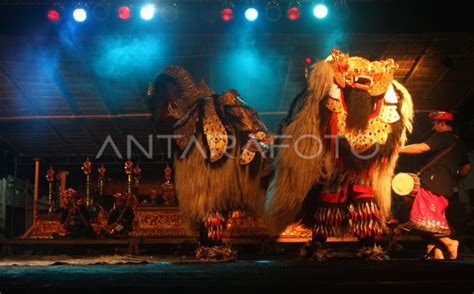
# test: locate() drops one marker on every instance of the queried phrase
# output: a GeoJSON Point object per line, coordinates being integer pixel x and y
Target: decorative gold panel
{"type": "Point", "coordinates": [167, 222]}
{"type": "Point", "coordinates": [158, 222]}
{"type": "Point", "coordinates": [45, 226]}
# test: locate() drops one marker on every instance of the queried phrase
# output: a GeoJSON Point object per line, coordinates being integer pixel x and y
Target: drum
{"type": "Point", "coordinates": [406, 184]}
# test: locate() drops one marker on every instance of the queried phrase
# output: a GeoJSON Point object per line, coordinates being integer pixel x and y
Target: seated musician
{"type": "Point", "coordinates": [75, 218]}
{"type": "Point", "coordinates": [120, 221]}
{"type": "Point", "coordinates": [155, 200]}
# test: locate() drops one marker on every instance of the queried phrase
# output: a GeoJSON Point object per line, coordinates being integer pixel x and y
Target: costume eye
{"type": "Point", "coordinates": [356, 70]}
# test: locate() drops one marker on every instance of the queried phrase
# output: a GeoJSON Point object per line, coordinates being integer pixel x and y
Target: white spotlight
{"type": "Point", "coordinates": [320, 11]}
{"type": "Point", "coordinates": [251, 13]}
{"type": "Point", "coordinates": [147, 12]}
{"type": "Point", "coordinates": [79, 14]}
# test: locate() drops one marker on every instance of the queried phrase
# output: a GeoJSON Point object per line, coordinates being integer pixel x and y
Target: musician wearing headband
{"type": "Point", "coordinates": [75, 218]}
{"type": "Point", "coordinates": [120, 221]}
{"type": "Point", "coordinates": [449, 162]}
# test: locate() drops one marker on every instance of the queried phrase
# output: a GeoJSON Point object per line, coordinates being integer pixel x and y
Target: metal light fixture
{"type": "Point", "coordinates": [273, 10]}
{"type": "Point", "coordinates": [341, 10]}
{"type": "Point", "coordinates": [169, 11]}
{"type": "Point", "coordinates": [101, 11]}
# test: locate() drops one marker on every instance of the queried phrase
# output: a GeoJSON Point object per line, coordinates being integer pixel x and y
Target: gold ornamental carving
{"type": "Point", "coordinates": [159, 222]}
{"type": "Point", "coordinates": [167, 222]}
{"type": "Point", "coordinates": [216, 134]}
{"type": "Point", "coordinates": [46, 226]}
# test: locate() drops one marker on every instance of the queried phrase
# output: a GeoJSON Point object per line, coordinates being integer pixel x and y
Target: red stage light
{"type": "Point", "coordinates": [124, 12]}
{"type": "Point", "coordinates": [53, 15]}
{"type": "Point", "coordinates": [227, 14]}
{"type": "Point", "coordinates": [307, 60]}
{"type": "Point", "coordinates": [293, 13]}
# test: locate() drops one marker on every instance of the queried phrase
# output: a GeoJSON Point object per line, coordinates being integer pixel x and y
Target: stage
{"type": "Point", "coordinates": [148, 274]}
{"type": "Point", "coordinates": [263, 263]}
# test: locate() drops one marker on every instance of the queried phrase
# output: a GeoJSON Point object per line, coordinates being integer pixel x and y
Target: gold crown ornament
{"type": "Point", "coordinates": [357, 72]}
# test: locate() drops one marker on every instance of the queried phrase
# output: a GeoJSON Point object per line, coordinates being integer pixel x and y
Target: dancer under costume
{"type": "Point", "coordinates": [220, 155]}
{"type": "Point", "coordinates": [343, 133]}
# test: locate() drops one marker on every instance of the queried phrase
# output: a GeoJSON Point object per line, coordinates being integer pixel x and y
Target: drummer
{"type": "Point", "coordinates": [438, 181]}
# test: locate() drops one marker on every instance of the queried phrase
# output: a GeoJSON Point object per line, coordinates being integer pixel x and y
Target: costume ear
{"type": "Point", "coordinates": [174, 83]}
{"type": "Point", "coordinates": [390, 96]}
{"type": "Point", "coordinates": [405, 107]}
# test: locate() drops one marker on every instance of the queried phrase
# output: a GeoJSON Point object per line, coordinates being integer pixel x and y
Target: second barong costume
{"type": "Point", "coordinates": [343, 132]}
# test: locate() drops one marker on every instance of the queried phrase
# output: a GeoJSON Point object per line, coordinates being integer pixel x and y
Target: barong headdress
{"type": "Point", "coordinates": [357, 72]}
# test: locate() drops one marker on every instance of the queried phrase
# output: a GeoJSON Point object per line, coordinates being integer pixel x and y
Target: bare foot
{"type": "Point", "coordinates": [438, 253]}
{"type": "Point", "coordinates": [453, 249]}
{"type": "Point", "coordinates": [433, 252]}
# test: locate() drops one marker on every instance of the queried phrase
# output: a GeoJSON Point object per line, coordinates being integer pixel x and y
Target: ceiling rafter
{"type": "Point", "coordinates": [109, 108]}
{"type": "Point", "coordinates": [8, 74]}
{"type": "Point", "coordinates": [112, 109]}
{"type": "Point", "coordinates": [418, 60]}
{"type": "Point", "coordinates": [70, 100]}
{"type": "Point", "coordinates": [416, 51]}
{"type": "Point", "coordinates": [446, 69]}
{"type": "Point", "coordinates": [436, 82]}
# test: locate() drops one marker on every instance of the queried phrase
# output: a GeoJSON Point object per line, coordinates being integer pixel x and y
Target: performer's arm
{"type": "Point", "coordinates": [415, 148]}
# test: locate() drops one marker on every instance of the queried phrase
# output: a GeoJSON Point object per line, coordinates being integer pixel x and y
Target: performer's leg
{"type": "Point", "coordinates": [364, 221]}
{"type": "Point", "coordinates": [214, 227]}
{"type": "Point", "coordinates": [330, 213]}
{"type": "Point", "coordinates": [364, 214]}
{"type": "Point", "coordinates": [328, 220]}
{"type": "Point", "coordinates": [211, 233]}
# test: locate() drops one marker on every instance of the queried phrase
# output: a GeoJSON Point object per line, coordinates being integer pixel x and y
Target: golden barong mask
{"type": "Point", "coordinates": [356, 72]}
